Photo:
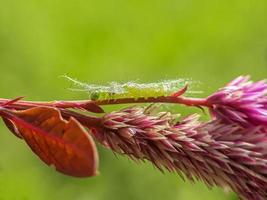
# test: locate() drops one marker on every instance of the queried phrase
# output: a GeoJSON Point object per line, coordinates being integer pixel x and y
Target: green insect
{"type": "Point", "coordinates": [115, 90]}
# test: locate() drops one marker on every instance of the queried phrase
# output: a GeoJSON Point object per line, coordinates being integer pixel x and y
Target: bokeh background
{"type": "Point", "coordinates": [100, 41]}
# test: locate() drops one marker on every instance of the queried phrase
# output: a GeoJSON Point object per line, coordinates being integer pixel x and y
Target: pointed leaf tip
{"type": "Point", "coordinates": [10, 102]}
{"type": "Point", "coordinates": [180, 92]}
{"type": "Point", "coordinates": [66, 145]}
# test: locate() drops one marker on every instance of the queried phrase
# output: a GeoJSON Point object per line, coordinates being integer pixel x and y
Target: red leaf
{"type": "Point", "coordinates": [60, 143]}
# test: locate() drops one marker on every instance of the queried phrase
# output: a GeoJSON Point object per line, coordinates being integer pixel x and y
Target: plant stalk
{"type": "Point", "coordinates": [187, 101]}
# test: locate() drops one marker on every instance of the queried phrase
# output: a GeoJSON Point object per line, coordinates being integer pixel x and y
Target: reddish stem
{"type": "Point", "coordinates": [83, 119]}
{"type": "Point", "coordinates": [89, 121]}
{"type": "Point", "coordinates": [169, 99]}
{"type": "Point", "coordinates": [74, 104]}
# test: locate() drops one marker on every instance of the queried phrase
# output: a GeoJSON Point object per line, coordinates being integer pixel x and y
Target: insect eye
{"type": "Point", "coordinates": [94, 96]}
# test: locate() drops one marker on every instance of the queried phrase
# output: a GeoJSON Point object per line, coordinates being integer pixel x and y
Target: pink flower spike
{"type": "Point", "coordinates": [241, 101]}
{"type": "Point", "coordinates": [215, 152]}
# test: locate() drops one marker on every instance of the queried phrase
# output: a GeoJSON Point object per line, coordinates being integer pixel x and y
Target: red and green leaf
{"type": "Point", "coordinates": [58, 142]}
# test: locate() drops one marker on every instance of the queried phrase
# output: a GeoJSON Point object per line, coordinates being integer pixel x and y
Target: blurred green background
{"type": "Point", "coordinates": [99, 41]}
